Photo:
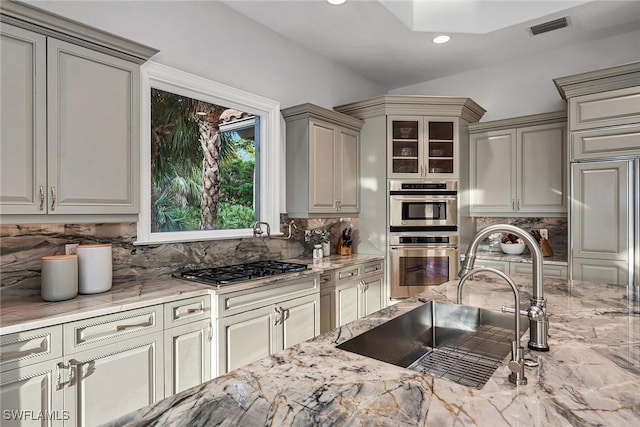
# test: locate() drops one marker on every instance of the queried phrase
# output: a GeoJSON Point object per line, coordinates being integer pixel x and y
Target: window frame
{"type": "Point", "coordinates": [158, 76]}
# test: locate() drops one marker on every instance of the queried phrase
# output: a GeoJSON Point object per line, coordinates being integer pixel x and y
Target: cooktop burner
{"type": "Point", "coordinates": [240, 272]}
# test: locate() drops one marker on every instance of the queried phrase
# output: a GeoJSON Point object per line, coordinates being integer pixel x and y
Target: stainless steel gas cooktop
{"type": "Point", "coordinates": [226, 275]}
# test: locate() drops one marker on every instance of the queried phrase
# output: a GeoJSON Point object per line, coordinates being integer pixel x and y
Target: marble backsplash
{"type": "Point", "coordinates": [557, 226]}
{"type": "Point", "coordinates": [22, 246]}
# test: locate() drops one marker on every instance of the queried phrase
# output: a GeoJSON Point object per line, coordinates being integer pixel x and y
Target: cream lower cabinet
{"type": "Point", "coordinates": [87, 372]}
{"type": "Point", "coordinates": [188, 341]}
{"type": "Point", "coordinates": [519, 169]}
{"type": "Point", "coordinates": [256, 334]}
{"type": "Point", "coordinates": [112, 380]}
{"type": "Point", "coordinates": [358, 292]}
{"type": "Point", "coordinates": [256, 323]}
{"type": "Point", "coordinates": [29, 396]}
{"type": "Point", "coordinates": [30, 386]}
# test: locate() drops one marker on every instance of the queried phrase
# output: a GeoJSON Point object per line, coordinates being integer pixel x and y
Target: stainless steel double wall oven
{"type": "Point", "coordinates": [423, 235]}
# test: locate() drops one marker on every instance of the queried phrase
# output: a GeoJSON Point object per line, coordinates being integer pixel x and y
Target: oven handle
{"type": "Point", "coordinates": [422, 246]}
{"type": "Point", "coordinates": [423, 193]}
{"type": "Point", "coordinates": [424, 198]}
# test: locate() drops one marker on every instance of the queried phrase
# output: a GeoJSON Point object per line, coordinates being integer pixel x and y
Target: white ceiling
{"type": "Point", "coordinates": [389, 41]}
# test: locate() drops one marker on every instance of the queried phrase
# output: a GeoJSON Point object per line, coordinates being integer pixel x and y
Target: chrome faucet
{"type": "Point", "coordinates": [516, 365]}
{"type": "Point", "coordinates": [537, 313]}
{"type": "Point", "coordinates": [257, 229]}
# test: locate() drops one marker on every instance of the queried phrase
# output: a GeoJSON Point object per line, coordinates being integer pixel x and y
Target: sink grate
{"type": "Point", "coordinates": [469, 359]}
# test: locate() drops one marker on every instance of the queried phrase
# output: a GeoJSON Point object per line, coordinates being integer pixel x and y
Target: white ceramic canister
{"type": "Point", "coordinates": [95, 269]}
{"type": "Point", "coordinates": [59, 277]}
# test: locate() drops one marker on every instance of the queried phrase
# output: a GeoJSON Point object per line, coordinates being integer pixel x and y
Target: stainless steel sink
{"type": "Point", "coordinates": [459, 343]}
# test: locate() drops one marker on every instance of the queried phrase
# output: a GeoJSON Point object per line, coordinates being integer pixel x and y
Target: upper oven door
{"type": "Point", "coordinates": [422, 210]}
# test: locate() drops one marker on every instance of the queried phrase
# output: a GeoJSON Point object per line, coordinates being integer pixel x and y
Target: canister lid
{"type": "Point", "coordinates": [58, 257]}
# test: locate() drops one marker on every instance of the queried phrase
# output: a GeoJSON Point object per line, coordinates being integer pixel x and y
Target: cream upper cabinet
{"type": "Point", "coordinates": [422, 147]}
{"type": "Point", "coordinates": [23, 150]}
{"type": "Point", "coordinates": [323, 162]}
{"type": "Point", "coordinates": [516, 168]}
{"type": "Point", "coordinates": [70, 118]}
{"type": "Point", "coordinates": [93, 137]}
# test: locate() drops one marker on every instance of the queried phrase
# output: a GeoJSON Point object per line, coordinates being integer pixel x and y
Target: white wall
{"type": "Point", "coordinates": [209, 39]}
{"type": "Point", "coordinates": [524, 85]}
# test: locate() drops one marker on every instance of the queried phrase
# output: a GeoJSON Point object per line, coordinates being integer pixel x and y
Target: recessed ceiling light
{"type": "Point", "coordinates": [336, 2]}
{"type": "Point", "coordinates": [441, 39]}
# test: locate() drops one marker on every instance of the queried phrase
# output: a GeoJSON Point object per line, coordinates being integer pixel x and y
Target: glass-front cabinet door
{"type": "Point", "coordinates": [422, 147]}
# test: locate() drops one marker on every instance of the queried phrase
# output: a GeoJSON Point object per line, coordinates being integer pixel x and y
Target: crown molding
{"type": "Point", "coordinates": [521, 121]}
{"type": "Point", "coordinates": [39, 21]}
{"type": "Point", "coordinates": [306, 111]}
{"type": "Point", "coordinates": [466, 108]}
{"type": "Point", "coordinates": [606, 79]}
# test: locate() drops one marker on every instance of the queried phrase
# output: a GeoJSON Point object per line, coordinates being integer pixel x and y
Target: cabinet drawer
{"type": "Point", "coordinates": [348, 273]}
{"type": "Point", "coordinates": [609, 142]}
{"type": "Point", "coordinates": [250, 299]}
{"type": "Point", "coordinates": [548, 270]}
{"type": "Point", "coordinates": [326, 279]}
{"type": "Point", "coordinates": [98, 331]}
{"type": "Point", "coordinates": [373, 268]}
{"type": "Point", "coordinates": [26, 348]}
{"type": "Point", "coordinates": [612, 108]}
{"type": "Point", "coordinates": [186, 311]}
{"type": "Point", "coordinates": [498, 265]}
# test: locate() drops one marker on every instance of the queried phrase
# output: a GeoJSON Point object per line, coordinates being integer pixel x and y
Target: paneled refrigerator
{"type": "Point", "coordinates": [605, 222]}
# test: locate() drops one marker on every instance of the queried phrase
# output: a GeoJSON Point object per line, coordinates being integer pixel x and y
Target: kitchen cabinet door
{"type": "Point", "coordinates": [23, 147]}
{"type": "Point", "coordinates": [93, 137]}
{"type": "Point", "coordinates": [246, 337]}
{"type": "Point", "coordinates": [348, 181]}
{"type": "Point", "coordinates": [519, 170]}
{"type": "Point", "coordinates": [541, 166]}
{"type": "Point", "coordinates": [187, 350]}
{"type": "Point", "coordinates": [348, 302]}
{"type": "Point", "coordinates": [323, 153]}
{"type": "Point", "coordinates": [301, 320]}
{"type": "Point", "coordinates": [371, 295]}
{"type": "Point", "coordinates": [29, 391]}
{"type": "Point", "coordinates": [493, 172]}
{"type": "Point", "coordinates": [600, 214]}
{"type": "Point", "coordinates": [112, 380]}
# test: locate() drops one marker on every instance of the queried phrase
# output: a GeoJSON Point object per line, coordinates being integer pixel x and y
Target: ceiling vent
{"type": "Point", "coordinates": [556, 24]}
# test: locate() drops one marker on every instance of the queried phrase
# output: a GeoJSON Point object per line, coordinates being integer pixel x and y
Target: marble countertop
{"type": "Point", "coordinates": [526, 257]}
{"type": "Point", "coordinates": [590, 376]}
{"type": "Point", "coordinates": [22, 314]}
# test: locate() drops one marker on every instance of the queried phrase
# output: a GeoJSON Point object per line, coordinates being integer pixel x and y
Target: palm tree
{"type": "Point", "coordinates": [177, 123]}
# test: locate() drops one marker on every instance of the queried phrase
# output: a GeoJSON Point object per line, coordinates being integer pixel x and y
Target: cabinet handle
{"type": "Point", "coordinates": [41, 198]}
{"type": "Point", "coordinates": [286, 314]}
{"type": "Point", "coordinates": [73, 374]}
{"type": "Point", "coordinates": [59, 376]}
{"type": "Point", "coordinates": [421, 171]}
{"type": "Point", "coordinates": [278, 318]}
{"type": "Point", "coordinates": [210, 334]}
{"type": "Point", "coordinates": [134, 325]}
{"type": "Point", "coordinates": [513, 204]}
{"type": "Point", "coordinates": [53, 198]}
{"type": "Point", "coordinates": [518, 204]}
{"type": "Point", "coordinates": [194, 310]}
{"type": "Point", "coordinates": [326, 279]}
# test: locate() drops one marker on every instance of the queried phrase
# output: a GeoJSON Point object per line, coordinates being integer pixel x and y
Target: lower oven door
{"type": "Point", "coordinates": [413, 269]}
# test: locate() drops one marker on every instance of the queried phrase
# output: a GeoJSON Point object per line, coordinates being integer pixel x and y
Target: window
{"type": "Point", "coordinates": [210, 158]}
